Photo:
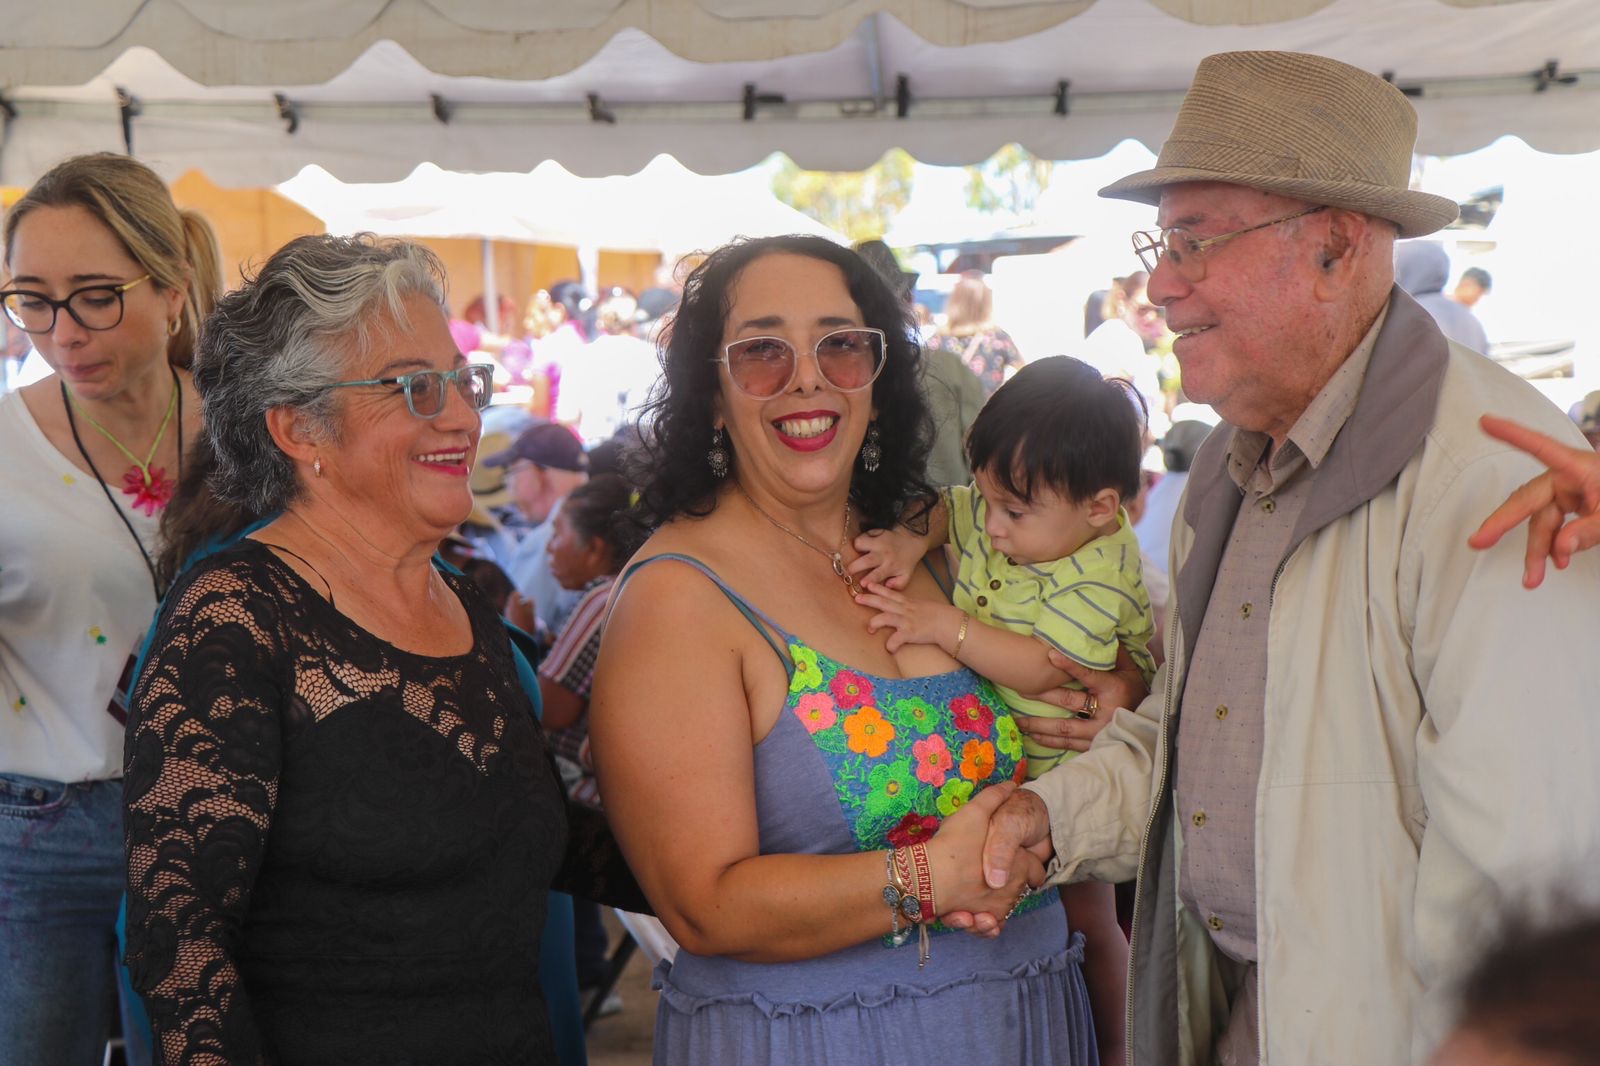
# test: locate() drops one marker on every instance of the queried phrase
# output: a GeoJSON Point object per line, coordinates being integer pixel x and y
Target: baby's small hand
{"type": "Point", "coordinates": [887, 557]}
{"type": "Point", "coordinates": [913, 621]}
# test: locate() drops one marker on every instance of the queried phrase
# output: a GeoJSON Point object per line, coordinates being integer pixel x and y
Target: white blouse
{"type": "Point", "coordinates": [75, 601]}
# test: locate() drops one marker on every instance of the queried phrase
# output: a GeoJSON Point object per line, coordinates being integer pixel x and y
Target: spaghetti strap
{"type": "Point", "coordinates": [303, 559]}
{"type": "Point", "coordinates": [945, 581]}
{"type": "Point", "coordinates": [757, 618]}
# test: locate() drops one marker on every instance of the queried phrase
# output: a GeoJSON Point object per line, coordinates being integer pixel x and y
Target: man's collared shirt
{"type": "Point", "coordinates": [1220, 726]}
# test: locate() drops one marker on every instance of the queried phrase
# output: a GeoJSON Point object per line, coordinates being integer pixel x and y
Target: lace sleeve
{"type": "Point", "coordinates": [202, 762]}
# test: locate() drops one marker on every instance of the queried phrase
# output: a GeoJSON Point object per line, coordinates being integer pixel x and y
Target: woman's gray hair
{"type": "Point", "coordinates": [284, 337]}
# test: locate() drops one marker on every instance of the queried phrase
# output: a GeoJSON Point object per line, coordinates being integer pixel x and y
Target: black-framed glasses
{"type": "Point", "coordinates": [95, 307]}
{"type": "Point", "coordinates": [1186, 252]}
{"type": "Point", "coordinates": [848, 359]}
{"type": "Point", "coordinates": [425, 389]}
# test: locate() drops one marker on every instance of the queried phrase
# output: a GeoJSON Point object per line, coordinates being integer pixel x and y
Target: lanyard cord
{"type": "Point", "coordinates": [66, 400]}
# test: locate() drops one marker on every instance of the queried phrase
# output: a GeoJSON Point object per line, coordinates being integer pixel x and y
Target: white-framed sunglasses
{"type": "Point", "coordinates": [848, 359]}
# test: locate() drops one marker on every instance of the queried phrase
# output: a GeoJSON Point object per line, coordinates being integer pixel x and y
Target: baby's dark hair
{"type": "Point", "coordinates": [1058, 425]}
{"type": "Point", "coordinates": [1534, 990]}
{"type": "Point", "coordinates": [606, 507]}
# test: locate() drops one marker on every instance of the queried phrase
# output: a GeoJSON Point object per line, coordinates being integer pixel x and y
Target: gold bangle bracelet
{"type": "Point", "coordinates": [961, 636]}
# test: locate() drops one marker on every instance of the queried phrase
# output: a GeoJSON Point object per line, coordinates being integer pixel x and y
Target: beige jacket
{"type": "Point", "coordinates": [1432, 738]}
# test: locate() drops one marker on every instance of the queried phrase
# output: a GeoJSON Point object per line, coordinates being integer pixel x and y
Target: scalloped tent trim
{"type": "Point", "coordinates": [251, 92]}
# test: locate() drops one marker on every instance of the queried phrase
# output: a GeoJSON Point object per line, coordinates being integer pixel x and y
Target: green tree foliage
{"type": "Point", "coordinates": [858, 204]}
{"type": "Point", "coordinates": [1010, 180]}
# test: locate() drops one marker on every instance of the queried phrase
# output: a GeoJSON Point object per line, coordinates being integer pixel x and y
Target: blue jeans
{"type": "Point", "coordinates": [61, 882]}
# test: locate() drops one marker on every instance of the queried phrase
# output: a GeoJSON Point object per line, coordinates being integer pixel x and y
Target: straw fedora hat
{"type": "Point", "coordinates": [1302, 126]}
{"type": "Point", "coordinates": [490, 486]}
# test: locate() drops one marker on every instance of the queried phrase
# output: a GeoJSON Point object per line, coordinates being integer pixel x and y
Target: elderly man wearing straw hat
{"type": "Point", "coordinates": [1365, 733]}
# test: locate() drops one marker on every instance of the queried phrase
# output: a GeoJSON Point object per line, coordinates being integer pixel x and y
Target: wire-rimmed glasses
{"type": "Point", "coordinates": [425, 389]}
{"type": "Point", "coordinates": [848, 359]}
{"type": "Point", "coordinates": [94, 307]}
{"type": "Point", "coordinates": [1186, 252]}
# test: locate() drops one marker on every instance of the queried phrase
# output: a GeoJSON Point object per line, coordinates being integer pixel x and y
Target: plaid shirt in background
{"type": "Point", "coordinates": [570, 664]}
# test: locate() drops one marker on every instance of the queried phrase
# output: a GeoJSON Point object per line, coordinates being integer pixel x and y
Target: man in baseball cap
{"type": "Point", "coordinates": [543, 465]}
{"type": "Point", "coordinates": [1365, 730]}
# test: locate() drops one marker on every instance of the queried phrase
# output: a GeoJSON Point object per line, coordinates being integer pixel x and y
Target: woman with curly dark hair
{"type": "Point", "coordinates": [740, 704]}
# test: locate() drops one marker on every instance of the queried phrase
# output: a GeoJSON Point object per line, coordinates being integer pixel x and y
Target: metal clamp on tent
{"type": "Point", "coordinates": [902, 96]}
{"type": "Point", "coordinates": [289, 111]}
{"type": "Point", "coordinates": [1408, 90]}
{"type": "Point", "coordinates": [754, 100]}
{"type": "Point", "coordinates": [1063, 101]}
{"type": "Point", "coordinates": [441, 109]}
{"type": "Point", "coordinates": [598, 112]}
{"type": "Point", "coordinates": [130, 107]}
{"type": "Point", "coordinates": [1550, 74]}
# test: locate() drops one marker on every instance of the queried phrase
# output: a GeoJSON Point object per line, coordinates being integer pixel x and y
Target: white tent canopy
{"type": "Point", "coordinates": [663, 208]}
{"type": "Point", "coordinates": [251, 92]}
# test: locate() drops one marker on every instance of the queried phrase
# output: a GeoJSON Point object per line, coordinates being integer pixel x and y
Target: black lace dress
{"type": "Point", "coordinates": [338, 851]}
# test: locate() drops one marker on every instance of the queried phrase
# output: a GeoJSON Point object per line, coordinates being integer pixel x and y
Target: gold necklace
{"type": "Point", "coordinates": [835, 558]}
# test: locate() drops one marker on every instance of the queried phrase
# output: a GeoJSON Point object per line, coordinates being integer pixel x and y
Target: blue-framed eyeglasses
{"type": "Point", "coordinates": [425, 389]}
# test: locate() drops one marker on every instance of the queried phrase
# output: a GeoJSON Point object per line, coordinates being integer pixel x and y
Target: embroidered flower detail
{"type": "Point", "coordinates": [914, 828]}
{"type": "Point", "coordinates": [815, 711]}
{"type": "Point", "coordinates": [1020, 773]}
{"type": "Point", "coordinates": [892, 788]}
{"type": "Point", "coordinates": [1007, 737]}
{"type": "Point", "coordinates": [869, 734]}
{"type": "Point", "coordinates": [97, 635]}
{"type": "Point", "coordinates": [914, 713]}
{"type": "Point", "coordinates": [807, 674]}
{"type": "Point", "coordinates": [933, 760]}
{"type": "Point", "coordinates": [972, 716]}
{"type": "Point", "coordinates": [850, 689]}
{"type": "Point", "coordinates": [953, 796]}
{"type": "Point", "coordinates": [977, 760]}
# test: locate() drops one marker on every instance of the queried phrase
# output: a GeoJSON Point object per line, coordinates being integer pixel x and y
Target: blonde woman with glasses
{"type": "Point", "coordinates": [110, 281]}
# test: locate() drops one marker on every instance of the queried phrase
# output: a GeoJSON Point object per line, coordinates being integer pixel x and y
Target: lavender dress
{"type": "Point", "coordinates": [860, 763]}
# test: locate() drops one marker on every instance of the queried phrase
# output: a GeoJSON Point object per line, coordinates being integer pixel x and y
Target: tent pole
{"type": "Point", "coordinates": [491, 295]}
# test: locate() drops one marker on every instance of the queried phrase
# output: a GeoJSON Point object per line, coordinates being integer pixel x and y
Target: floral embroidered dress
{"type": "Point", "coordinates": [860, 763]}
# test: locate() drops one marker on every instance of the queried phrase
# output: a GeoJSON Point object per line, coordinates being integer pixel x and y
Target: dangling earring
{"type": "Point", "coordinates": [316, 466]}
{"type": "Point", "coordinates": [717, 457]}
{"type": "Point", "coordinates": [871, 452]}
{"type": "Point", "coordinates": [174, 326]}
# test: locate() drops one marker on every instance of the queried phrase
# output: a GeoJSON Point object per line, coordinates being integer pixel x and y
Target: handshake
{"type": "Point", "coordinates": [989, 856]}
{"type": "Point", "coordinates": [992, 853]}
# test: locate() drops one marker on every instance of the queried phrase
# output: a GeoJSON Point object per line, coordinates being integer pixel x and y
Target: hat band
{"type": "Point", "coordinates": [1224, 158]}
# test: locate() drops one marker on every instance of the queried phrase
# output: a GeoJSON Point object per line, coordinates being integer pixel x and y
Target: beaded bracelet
{"type": "Point", "coordinates": [892, 896]}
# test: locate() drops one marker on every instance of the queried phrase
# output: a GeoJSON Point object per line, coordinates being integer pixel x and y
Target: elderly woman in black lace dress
{"type": "Point", "coordinates": [341, 821]}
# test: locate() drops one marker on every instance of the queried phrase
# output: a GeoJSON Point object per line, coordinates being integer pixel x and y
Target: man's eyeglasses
{"type": "Point", "coordinates": [94, 307]}
{"type": "Point", "coordinates": [1186, 252]}
{"type": "Point", "coordinates": [425, 389]}
{"type": "Point", "coordinates": [848, 359]}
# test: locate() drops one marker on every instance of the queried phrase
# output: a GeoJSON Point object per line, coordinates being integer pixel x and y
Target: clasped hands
{"type": "Point", "coordinates": [989, 856]}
